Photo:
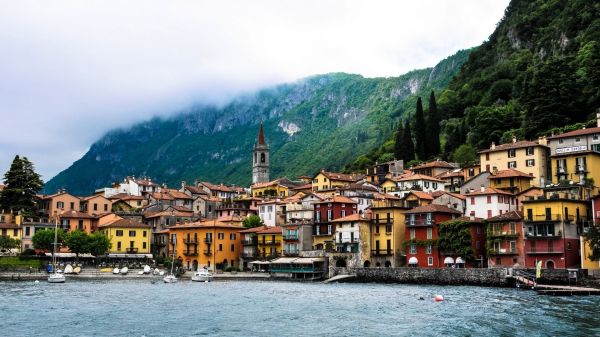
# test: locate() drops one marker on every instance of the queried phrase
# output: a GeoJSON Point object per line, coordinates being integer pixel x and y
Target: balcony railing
{"type": "Point", "coordinates": [207, 252]}
{"type": "Point", "coordinates": [503, 234]}
{"type": "Point", "coordinates": [131, 250]}
{"type": "Point", "coordinates": [208, 240]}
{"type": "Point", "coordinates": [416, 222]}
{"type": "Point", "coordinates": [375, 252]}
{"type": "Point", "coordinates": [322, 234]}
{"type": "Point", "coordinates": [249, 242]}
{"type": "Point", "coordinates": [338, 241]}
{"type": "Point", "coordinates": [580, 169]}
{"type": "Point", "coordinates": [291, 237]}
{"type": "Point", "coordinates": [190, 253]}
{"type": "Point", "coordinates": [249, 255]}
{"type": "Point", "coordinates": [544, 251]}
{"type": "Point", "coordinates": [270, 242]}
{"type": "Point", "coordinates": [546, 218]}
{"type": "Point", "coordinates": [159, 244]}
{"type": "Point", "coordinates": [190, 241]}
{"type": "Point", "coordinates": [291, 252]}
{"type": "Point", "coordinates": [530, 235]}
{"type": "Point", "coordinates": [503, 251]}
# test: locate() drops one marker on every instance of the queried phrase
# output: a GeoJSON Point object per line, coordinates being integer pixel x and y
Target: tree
{"type": "Point", "coordinates": [408, 147]}
{"type": "Point", "coordinates": [44, 239]}
{"type": "Point", "coordinates": [252, 221]}
{"type": "Point", "coordinates": [433, 128]}
{"type": "Point", "coordinates": [592, 237]}
{"type": "Point", "coordinates": [455, 238]}
{"type": "Point", "coordinates": [464, 155]}
{"type": "Point", "coordinates": [398, 146]}
{"type": "Point", "coordinates": [21, 186]}
{"type": "Point", "coordinates": [420, 131]}
{"type": "Point", "coordinates": [98, 244]}
{"type": "Point", "coordinates": [8, 243]}
{"type": "Point", "coordinates": [78, 242]}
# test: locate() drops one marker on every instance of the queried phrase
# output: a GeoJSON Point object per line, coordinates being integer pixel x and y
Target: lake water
{"type": "Point", "coordinates": [264, 308]}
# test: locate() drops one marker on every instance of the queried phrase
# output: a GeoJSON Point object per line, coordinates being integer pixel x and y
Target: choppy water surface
{"type": "Point", "coordinates": [140, 308]}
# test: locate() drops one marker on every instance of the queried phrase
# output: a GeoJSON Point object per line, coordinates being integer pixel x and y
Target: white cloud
{"type": "Point", "coordinates": [72, 70]}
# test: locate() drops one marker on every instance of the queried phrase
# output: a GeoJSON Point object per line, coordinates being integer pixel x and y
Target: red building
{"type": "Point", "coordinates": [422, 231]}
{"type": "Point", "coordinates": [505, 240]}
{"type": "Point", "coordinates": [325, 211]}
{"type": "Point", "coordinates": [478, 237]}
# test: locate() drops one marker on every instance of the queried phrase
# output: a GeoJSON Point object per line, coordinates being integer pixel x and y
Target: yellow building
{"type": "Point", "coordinates": [530, 157]}
{"type": "Point", "coordinates": [510, 180]}
{"type": "Point", "coordinates": [10, 226]}
{"type": "Point", "coordinates": [329, 180]}
{"type": "Point", "coordinates": [586, 263]}
{"type": "Point", "coordinates": [276, 188]}
{"type": "Point", "coordinates": [127, 236]}
{"type": "Point", "coordinates": [270, 242]}
{"type": "Point", "coordinates": [387, 233]}
{"type": "Point", "coordinates": [210, 243]}
{"type": "Point", "coordinates": [352, 236]}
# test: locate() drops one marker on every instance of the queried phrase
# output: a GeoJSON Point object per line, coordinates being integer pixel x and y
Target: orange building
{"type": "Point", "coordinates": [210, 243]}
{"type": "Point", "coordinates": [75, 220]}
{"type": "Point", "coordinates": [50, 205]}
{"type": "Point", "coordinates": [96, 204]}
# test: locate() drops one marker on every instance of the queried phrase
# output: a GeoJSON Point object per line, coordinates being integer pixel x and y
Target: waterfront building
{"type": "Point", "coordinates": [421, 233]}
{"type": "Point", "coordinates": [352, 234]}
{"type": "Point", "coordinates": [505, 240]}
{"type": "Point", "coordinates": [477, 235]}
{"type": "Point", "coordinates": [593, 266]}
{"type": "Point", "coordinates": [387, 232]}
{"type": "Point", "coordinates": [73, 220]}
{"type": "Point", "coordinates": [269, 242]}
{"type": "Point", "coordinates": [324, 180]}
{"type": "Point", "coordinates": [553, 224]}
{"type": "Point", "coordinates": [297, 236]}
{"type": "Point", "coordinates": [530, 157]}
{"type": "Point", "coordinates": [159, 220]}
{"type": "Point", "coordinates": [249, 240]}
{"type": "Point", "coordinates": [208, 243]}
{"type": "Point", "coordinates": [127, 236]}
{"type": "Point", "coordinates": [489, 202]}
{"type": "Point", "coordinates": [510, 180]}
{"type": "Point", "coordinates": [260, 162]}
{"type": "Point", "coordinates": [324, 213]}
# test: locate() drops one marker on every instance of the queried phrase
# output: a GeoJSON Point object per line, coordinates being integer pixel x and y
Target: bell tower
{"type": "Point", "coordinates": [260, 159]}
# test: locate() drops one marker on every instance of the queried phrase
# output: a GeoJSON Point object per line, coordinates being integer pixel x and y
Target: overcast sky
{"type": "Point", "coordinates": [72, 70]}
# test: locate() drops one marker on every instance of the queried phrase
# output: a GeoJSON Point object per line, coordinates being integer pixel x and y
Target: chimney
{"type": "Point", "coordinates": [493, 146]}
{"type": "Point", "coordinates": [183, 184]}
{"type": "Point", "coordinates": [514, 139]}
{"type": "Point", "coordinates": [482, 188]}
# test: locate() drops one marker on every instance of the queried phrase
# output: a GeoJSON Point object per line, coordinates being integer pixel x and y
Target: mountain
{"type": "Point", "coordinates": [319, 122]}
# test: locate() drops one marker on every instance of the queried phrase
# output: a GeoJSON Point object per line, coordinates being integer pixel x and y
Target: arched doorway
{"type": "Point", "coordinates": [377, 264]}
{"type": "Point", "coordinates": [388, 264]}
{"type": "Point", "coordinates": [550, 264]}
{"type": "Point", "coordinates": [367, 264]}
{"type": "Point", "coordinates": [195, 265]}
{"type": "Point", "coordinates": [341, 263]}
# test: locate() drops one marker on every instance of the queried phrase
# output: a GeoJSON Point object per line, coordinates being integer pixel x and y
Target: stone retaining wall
{"type": "Point", "coordinates": [449, 276]}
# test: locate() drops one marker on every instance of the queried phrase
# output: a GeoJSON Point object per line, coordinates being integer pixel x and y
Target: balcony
{"type": "Point", "coordinates": [546, 218]}
{"type": "Point", "coordinates": [159, 244]}
{"type": "Point", "coordinates": [207, 252]}
{"type": "Point", "coordinates": [271, 243]}
{"type": "Point", "coordinates": [249, 242]}
{"type": "Point", "coordinates": [375, 252]}
{"type": "Point", "coordinates": [322, 234]}
{"type": "Point", "coordinates": [291, 252]}
{"type": "Point", "coordinates": [503, 234]}
{"type": "Point", "coordinates": [249, 255]}
{"type": "Point", "coordinates": [291, 237]}
{"type": "Point", "coordinates": [190, 253]}
{"type": "Point", "coordinates": [421, 223]}
{"type": "Point", "coordinates": [543, 251]}
{"type": "Point", "coordinates": [131, 250]}
{"type": "Point", "coordinates": [580, 169]}
{"type": "Point", "coordinates": [208, 240]}
{"type": "Point", "coordinates": [503, 251]}
{"type": "Point", "coordinates": [190, 241]}
{"type": "Point", "coordinates": [531, 236]}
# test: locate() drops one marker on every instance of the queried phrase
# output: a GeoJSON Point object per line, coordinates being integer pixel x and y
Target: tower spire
{"type": "Point", "coordinates": [261, 136]}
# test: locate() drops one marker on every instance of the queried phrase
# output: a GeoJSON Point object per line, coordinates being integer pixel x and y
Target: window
{"type": "Point", "coordinates": [430, 260]}
{"type": "Point", "coordinates": [343, 213]}
{"type": "Point", "coordinates": [472, 200]}
{"type": "Point", "coordinates": [132, 233]}
{"type": "Point", "coordinates": [530, 162]}
{"type": "Point", "coordinates": [329, 228]}
{"type": "Point", "coordinates": [595, 137]}
{"type": "Point", "coordinates": [27, 231]}
{"type": "Point", "coordinates": [144, 234]}
{"type": "Point", "coordinates": [220, 247]}
{"type": "Point", "coordinates": [220, 236]}
{"type": "Point", "coordinates": [80, 225]}
{"type": "Point", "coordinates": [429, 233]}
{"type": "Point", "coordinates": [489, 199]}
{"type": "Point", "coordinates": [434, 185]}
{"type": "Point", "coordinates": [412, 233]}
{"type": "Point", "coordinates": [119, 232]}
{"type": "Point", "coordinates": [232, 247]}
{"type": "Point", "coordinates": [512, 164]}
{"type": "Point", "coordinates": [426, 184]}
{"type": "Point", "coordinates": [489, 213]}
{"type": "Point", "coordinates": [72, 205]}
{"type": "Point", "coordinates": [95, 207]}
{"type": "Point", "coordinates": [329, 215]}
{"type": "Point", "coordinates": [578, 140]}
{"type": "Point", "coordinates": [60, 204]}
{"type": "Point", "coordinates": [413, 249]}
{"type": "Point", "coordinates": [106, 207]}
{"type": "Point", "coordinates": [428, 249]}
{"type": "Point", "coordinates": [232, 236]}
{"type": "Point", "coordinates": [487, 156]}
{"type": "Point", "coordinates": [560, 141]}
{"type": "Point", "coordinates": [511, 153]}
{"type": "Point", "coordinates": [529, 151]}
{"type": "Point", "coordinates": [118, 245]}
{"type": "Point", "coordinates": [143, 245]}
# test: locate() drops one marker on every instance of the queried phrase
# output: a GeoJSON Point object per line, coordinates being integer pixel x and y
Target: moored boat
{"type": "Point", "coordinates": [202, 275]}
{"type": "Point", "coordinates": [124, 271]}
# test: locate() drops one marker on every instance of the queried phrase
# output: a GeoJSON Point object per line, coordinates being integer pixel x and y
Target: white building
{"type": "Point", "coordinates": [268, 212]}
{"type": "Point", "coordinates": [301, 209]}
{"type": "Point", "coordinates": [419, 182]}
{"type": "Point", "coordinates": [489, 202]}
{"type": "Point", "coordinates": [131, 186]}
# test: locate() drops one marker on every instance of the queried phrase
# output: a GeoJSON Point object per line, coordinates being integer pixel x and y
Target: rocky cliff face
{"type": "Point", "coordinates": [318, 122]}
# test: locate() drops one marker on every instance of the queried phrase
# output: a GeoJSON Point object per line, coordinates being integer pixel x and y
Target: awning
{"type": "Point", "coordinates": [65, 255]}
{"type": "Point", "coordinates": [413, 260]}
{"type": "Point", "coordinates": [130, 256]}
{"type": "Point", "coordinates": [308, 260]}
{"type": "Point", "coordinates": [284, 260]}
{"type": "Point", "coordinates": [448, 260]}
{"type": "Point", "coordinates": [460, 260]}
{"type": "Point", "coordinates": [260, 262]}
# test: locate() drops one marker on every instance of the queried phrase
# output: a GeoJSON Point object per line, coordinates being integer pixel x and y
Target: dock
{"type": "Point", "coordinates": [556, 290]}
{"type": "Point", "coordinates": [340, 278]}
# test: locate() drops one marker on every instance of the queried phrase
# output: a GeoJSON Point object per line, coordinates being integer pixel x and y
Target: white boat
{"type": "Point", "coordinates": [68, 269]}
{"type": "Point", "coordinates": [147, 269]}
{"type": "Point", "coordinates": [116, 271]}
{"type": "Point", "coordinates": [202, 275]}
{"type": "Point", "coordinates": [124, 271]}
{"type": "Point", "coordinates": [141, 272]}
{"type": "Point", "coordinates": [56, 276]}
{"type": "Point", "coordinates": [170, 279]}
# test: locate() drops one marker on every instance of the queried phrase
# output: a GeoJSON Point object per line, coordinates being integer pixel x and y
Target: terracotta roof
{"type": "Point", "coordinates": [468, 219]}
{"type": "Point", "coordinates": [271, 230]}
{"type": "Point", "coordinates": [181, 209]}
{"type": "Point", "coordinates": [435, 163]}
{"type": "Point", "coordinates": [579, 132]}
{"type": "Point", "coordinates": [195, 190]}
{"type": "Point", "coordinates": [510, 173]}
{"type": "Point", "coordinates": [213, 223]}
{"type": "Point", "coordinates": [164, 231]}
{"type": "Point", "coordinates": [488, 190]}
{"type": "Point", "coordinates": [125, 196]}
{"type": "Point", "coordinates": [280, 181]}
{"type": "Point", "coordinates": [450, 174]}
{"type": "Point", "coordinates": [230, 218]}
{"type": "Point", "coordinates": [93, 197]}
{"type": "Point", "coordinates": [339, 176]}
{"type": "Point", "coordinates": [145, 182]}
{"type": "Point", "coordinates": [457, 195]}
{"type": "Point", "coordinates": [512, 145]}
{"type": "Point", "coordinates": [417, 177]}
{"type": "Point", "coordinates": [254, 229]}
{"type": "Point", "coordinates": [508, 216]}
{"type": "Point", "coordinates": [125, 223]}
{"type": "Point", "coordinates": [420, 195]}
{"type": "Point", "coordinates": [303, 187]}
{"type": "Point", "coordinates": [75, 214]}
{"type": "Point", "coordinates": [161, 196]}
{"type": "Point", "coordinates": [353, 217]}
{"type": "Point", "coordinates": [381, 196]}
{"type": "Point", "coordinates": [337, 198]}
{"type": "Point", "coordinates": [214, 187]}
{"type": "Point", "coordinates": [169, 213]}
{"type": "Point", "coordinates": [176, 194]}
{"type": "Point", "coordinates": [432, 208]}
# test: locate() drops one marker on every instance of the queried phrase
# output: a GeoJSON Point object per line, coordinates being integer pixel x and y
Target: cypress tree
{"type": "Point", "coordinates": [408, 147]}
{"type": "Point", "coordinates": [21, 185]}
{"type": "Point", "coordinates": [398, 146]}
{"type": "Point", "coordinates": [420, 132]}
{"type": "Point", "coordinates": [433, 128]}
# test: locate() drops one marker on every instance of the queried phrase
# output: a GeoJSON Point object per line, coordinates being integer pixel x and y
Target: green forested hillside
{"type": "Point", "coordinates": [323, 121]}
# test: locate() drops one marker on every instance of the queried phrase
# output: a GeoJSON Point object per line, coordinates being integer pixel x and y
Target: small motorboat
{"type": "Point", "coordinates": [202, 275]}
{"type": "Point", "coordinates": [147, 269]}
{"type": "Point", "coordinates": [116, 271]}
{"type": "Point", "coordinates": [124, 271]}
{"type": "Point", "coordinates": [56, 278]}
{"type": "Point", "coordinates": [170, 279]}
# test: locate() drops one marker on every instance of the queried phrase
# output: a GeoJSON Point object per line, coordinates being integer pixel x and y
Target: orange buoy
{"type": "Point", "coordinates": [438, 298]}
